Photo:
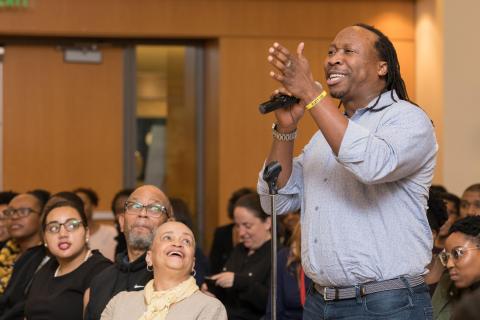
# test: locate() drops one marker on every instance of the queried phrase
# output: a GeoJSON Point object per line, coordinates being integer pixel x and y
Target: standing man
{"type": "Point", "coordinates": [145, 209]}
{"type": "Point", "coordinates": [361, 182]}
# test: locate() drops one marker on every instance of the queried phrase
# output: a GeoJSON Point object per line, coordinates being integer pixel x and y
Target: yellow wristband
{"type": "Point", "coordinates": [316, 100]}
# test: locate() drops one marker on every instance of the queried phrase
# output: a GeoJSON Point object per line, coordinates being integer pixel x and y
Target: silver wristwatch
{"type": "Point", "coordinates": [283, 136]}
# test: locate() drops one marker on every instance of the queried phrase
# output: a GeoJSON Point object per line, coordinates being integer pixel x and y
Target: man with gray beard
{"type": "Point", "coordinates": [146, 209]}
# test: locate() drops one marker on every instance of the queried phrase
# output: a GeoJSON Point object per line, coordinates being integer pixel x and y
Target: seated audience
{"type": "Point", "coordinates": [23, 224]}
{"type": "Point", "coordinates": [58, 289]}
{"type": "Point", "coordinates": [287, 224]}
{"type": "Point", "coordinates": [461, 257]}
{"type": "Point", "coordinates": [8, 247]}
{"type": "Point", "coordinates": [245, 279]}
{"type": "Point", "coordinates": [292, 284]}
{"type": "Point", "coordinates": [146, 209]}
{"type": "Point", "coordinates": [437, 219]}
{"type": "Point", "coordinates": [118, 207]}
{"type": "Point", "coordinates": [102, 236]}
{"type": "Point", "coordinates": [470, 201]}
{"type": "Point", "coordinates": [182, 214]}
{"type": "Point", "coordinates": [452, 204]}
{"type": "Point", "coordinates": [173, 293]}
{"type": "Point", "coordinates": [225, 237]}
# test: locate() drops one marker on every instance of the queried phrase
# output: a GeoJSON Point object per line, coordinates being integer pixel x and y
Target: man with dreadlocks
{"type": "Point", "coordinates": [361, 182]}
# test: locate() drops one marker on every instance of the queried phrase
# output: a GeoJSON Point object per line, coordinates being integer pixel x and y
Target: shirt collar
{"type": "Point", "coordinates": [384, 100]}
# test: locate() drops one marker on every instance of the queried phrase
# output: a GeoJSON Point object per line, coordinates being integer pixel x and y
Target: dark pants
{"type": "Point", "coordinates": [400, 304]}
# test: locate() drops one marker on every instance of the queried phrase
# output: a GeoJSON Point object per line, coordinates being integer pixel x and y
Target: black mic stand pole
{"type": "Point", "coordinates": [270, 175]}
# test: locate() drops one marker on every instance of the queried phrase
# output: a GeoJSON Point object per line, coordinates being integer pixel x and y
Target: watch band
{"type": "Point", "coordinates": [283, 136]}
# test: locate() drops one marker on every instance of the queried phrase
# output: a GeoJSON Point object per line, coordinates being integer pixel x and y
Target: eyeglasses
{"type": "Point", "coordinates": [70, 225]}
{"type": "Point", "coordinates": [457, 253]}
{"type": "Point", "coordinates": [20, 212]}
{"type": "Point", "coordinates": [154, 210]}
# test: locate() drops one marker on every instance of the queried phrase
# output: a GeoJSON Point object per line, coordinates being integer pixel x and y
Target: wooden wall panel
{"type": "Point", "coordinates": [62, 121]}
{"type": "Point", "coordinates": [205, 18]}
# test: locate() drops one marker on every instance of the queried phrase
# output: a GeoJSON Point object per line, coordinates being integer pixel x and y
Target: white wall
{"type": "Point", "coordinates": [448, 85]}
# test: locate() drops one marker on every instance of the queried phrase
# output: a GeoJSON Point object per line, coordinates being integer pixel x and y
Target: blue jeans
{"type": "Point", "coordinates": [411, 303]}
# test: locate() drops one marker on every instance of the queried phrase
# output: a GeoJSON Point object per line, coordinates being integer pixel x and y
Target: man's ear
{"type": "Point", "coordinates": [382, 68]}
{"type": "Point", "coordinates": [121, 221]}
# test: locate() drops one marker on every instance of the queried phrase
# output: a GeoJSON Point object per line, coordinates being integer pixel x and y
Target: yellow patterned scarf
{"type": "Point", "coordinates": [8, 255]}
{"type": "Point", "coordinates": [159, 302]}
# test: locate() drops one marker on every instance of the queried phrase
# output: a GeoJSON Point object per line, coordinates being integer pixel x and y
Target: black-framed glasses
{"type": "Point", "coordinates": [457, 253]}
{"type": "Point", "coordinates": [19, 212]}
{"type": "Point", "coordinates": [70, 225]}
{"type": "Point", "coordinates": [154, 210]}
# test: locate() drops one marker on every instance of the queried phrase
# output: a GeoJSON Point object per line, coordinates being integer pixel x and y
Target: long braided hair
{"type": "Point", "coordinates": [386, 52]}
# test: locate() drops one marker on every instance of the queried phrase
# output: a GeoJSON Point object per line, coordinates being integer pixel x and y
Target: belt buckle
{"type": "Point", "coordinates": [325, 295]}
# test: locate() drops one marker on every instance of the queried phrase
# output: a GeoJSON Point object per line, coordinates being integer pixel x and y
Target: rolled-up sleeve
{"type": "Point", "coordinates": [289, 197]}
{"type": "Point", "coordinates": [398, 147]}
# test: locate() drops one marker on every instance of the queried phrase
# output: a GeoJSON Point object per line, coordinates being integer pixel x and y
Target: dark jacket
{"type": "Point", "coordinates": [121, 276]}
{"type": "Point", "coordinates": [12, 302]}
{"type": "Point", "coordinates": [222, 247]}
{"type": "Point", "coordinates": [289, 306]}
{"type": "Point", "coordinates": [247, 298]}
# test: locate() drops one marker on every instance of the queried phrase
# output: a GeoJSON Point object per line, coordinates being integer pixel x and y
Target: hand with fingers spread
{"type": "Point", "coordinates": [293, 72]}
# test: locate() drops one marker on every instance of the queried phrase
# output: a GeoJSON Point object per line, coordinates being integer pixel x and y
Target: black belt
{"type": "Point", "coordinates": [332, 293]}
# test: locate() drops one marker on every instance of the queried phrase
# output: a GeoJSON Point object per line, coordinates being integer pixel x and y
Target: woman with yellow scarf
{"type": "Point", "coordinates": [173, 293]}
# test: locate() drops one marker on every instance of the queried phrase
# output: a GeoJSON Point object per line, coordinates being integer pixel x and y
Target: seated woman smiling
{"type": "Point", "coordinates": [173, 293]}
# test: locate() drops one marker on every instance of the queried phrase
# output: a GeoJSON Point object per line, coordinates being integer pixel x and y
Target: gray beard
{"type": "Point", "coordinates": [139, 242]}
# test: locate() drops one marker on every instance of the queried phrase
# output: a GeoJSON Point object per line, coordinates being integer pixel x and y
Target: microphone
{"type": "Point", "coordinates": [276, 102]}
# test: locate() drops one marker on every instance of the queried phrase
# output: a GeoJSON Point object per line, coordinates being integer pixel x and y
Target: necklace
{"type": "Point", "coordinates": [89, 253]}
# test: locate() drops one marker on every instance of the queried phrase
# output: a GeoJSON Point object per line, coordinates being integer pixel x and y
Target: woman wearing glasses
{"type": "Point", "coordinates": [461, 257]}
{"type": "Point", "coordinates": [58, 288]}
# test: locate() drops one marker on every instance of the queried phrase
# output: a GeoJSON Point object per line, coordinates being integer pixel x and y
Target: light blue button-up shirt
{"type": "Point", "coordinates": [364, 211]}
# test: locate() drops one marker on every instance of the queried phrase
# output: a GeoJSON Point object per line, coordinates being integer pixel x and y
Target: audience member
{"type": "Point", "coordinates": [461, 257]}
{"type": "Point", "coordinates": [468, 308]}
{"type": "Point", "coordinates": [246, 276]}
{"type": "Point", "coordinates": [23, 224]}
{"type": "Point", "coordinates": [182, 214]}
{"type": "Point", "coordinates": [452, 205]}
{"type": "Point", "coordinates": [470, 202]}
{"type": "Point", "coordinates": [287, 224]}
{"type": "Point", "coordinates": [146, 209]}
{"type": "Point", "coordinates": [173, 293]}
{"type": "Point", "coordinates": [292, 283]}
{"type": "Point", "coordinates": [5, 198]}
{"type": "Point", "coordinates": [118, 207]}
{"type": "Point", "coordinates": [438, 188]}
{"type": "Point", "coordinates": [8, 247]}
{"type": "Point", "coordinates": [437, 218]}
{"type": "Point", "coordinates": [59, 288]}
{"type": "Point", "coordinates": [225, 237]}
{"type": "Point", "coordinates": [102, 236]}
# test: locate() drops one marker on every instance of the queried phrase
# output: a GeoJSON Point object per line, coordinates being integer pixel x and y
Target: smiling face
{"type": "Point", "coordinates": [65, 245]}
{"type": "Point", "coordinates": [139, 228]}
{"type": "Point", "coordinates": [24, 228]}
{"type": "Point", "coordinates": [353, 70]}
{"type": "Point", "coordinates": [173, 250]}
{"type": "Point", "coordinates": [252, 231]}
{"type": "Point", "coordinates": [466, 270]}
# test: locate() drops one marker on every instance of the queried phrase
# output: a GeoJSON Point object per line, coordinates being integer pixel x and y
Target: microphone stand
{"type": "Point", "coordinates": [270, 175]}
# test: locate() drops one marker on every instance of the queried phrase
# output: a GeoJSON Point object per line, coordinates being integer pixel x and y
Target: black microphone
{"type": "Point", "coordinates": [276, 102]}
